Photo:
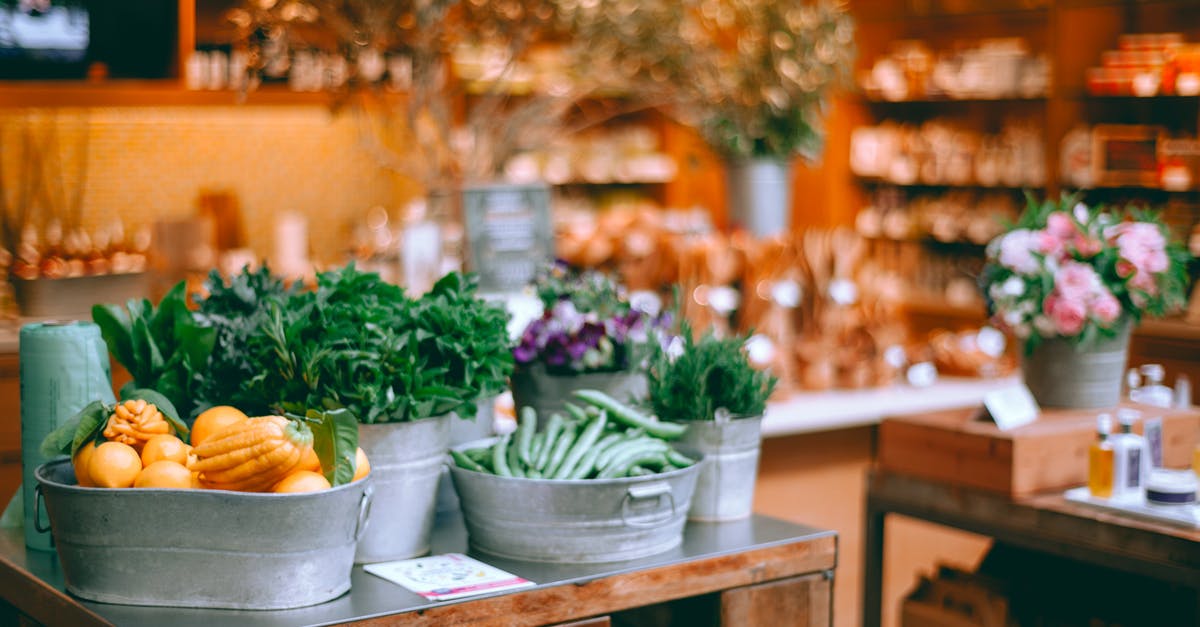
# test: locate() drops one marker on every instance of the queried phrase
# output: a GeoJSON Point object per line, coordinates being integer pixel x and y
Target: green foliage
{"type": "Point", "coordinates": [359, 343]}
{"type": "Point", "coordinates": [708, 374]}
{"type": "Point", "coordinates": [164, 348]}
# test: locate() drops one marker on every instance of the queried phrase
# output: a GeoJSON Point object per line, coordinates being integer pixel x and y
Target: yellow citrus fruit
{"type": "Point", "coordinates": [309, 460]}
{"type": "Point", "coordinates": [164, 446]}
{"type": "Point", "coordinates": [114, 465]}
{"type": "Point", "coordinates": [362, 466]}
{"type": "Point", "coordinates": [214, 419]}
{"type": "Point", "coordinates": [80, 462]}
{"type": "Point", "coordinates": [164, 474]}
{"type": "Point", "coordinates": [302, 481]}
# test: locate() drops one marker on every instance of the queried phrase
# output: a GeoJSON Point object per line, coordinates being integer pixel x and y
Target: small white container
{"type": "Point", "coordinates": [1171, 488]}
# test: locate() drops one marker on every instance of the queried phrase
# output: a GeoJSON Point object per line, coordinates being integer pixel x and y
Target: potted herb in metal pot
{"type": "Point", "coordinates": [403, 366]}
{"type": "Point", "coordinates": [589, 336]}
{"type": "Point", "coordinates": [709, 384]}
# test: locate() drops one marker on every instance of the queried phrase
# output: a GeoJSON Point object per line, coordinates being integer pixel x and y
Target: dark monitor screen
{"type": "Point", "coordinates": [61, 39]}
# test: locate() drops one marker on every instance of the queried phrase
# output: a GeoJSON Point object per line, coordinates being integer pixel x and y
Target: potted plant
{"type": "Point", "coordinates": [760, 89]}
{"type": "Point", "coordinates": [709, 384]}
{"type": "Point", "coordinates": [401, 365]}
{"type": "Point", "coordinates": [1070, 281]}
{"type": "Point", "coordinates": [589, 336]}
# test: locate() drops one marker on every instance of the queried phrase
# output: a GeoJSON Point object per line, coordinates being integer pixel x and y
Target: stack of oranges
{"type": "Point", "coordinates": [162, 460]}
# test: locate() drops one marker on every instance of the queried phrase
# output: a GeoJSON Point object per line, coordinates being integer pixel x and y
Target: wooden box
{"type": "Point", "coordinates": [962, 447]}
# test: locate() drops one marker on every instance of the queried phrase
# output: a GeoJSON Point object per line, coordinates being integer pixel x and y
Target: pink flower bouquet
{"type": "Point", "coordinates": [1081, 273]}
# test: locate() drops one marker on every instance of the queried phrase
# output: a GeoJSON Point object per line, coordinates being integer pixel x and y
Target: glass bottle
{"type": "Point", "coordinates": [1153, 391]}
{"type": "Point", "coordinates": [1131, 459]}
{"type": "Point", "coordinates": [1100, 460]}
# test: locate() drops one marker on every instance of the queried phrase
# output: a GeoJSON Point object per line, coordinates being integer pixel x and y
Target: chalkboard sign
{"type": "Point", "coordinates": [509, 234]}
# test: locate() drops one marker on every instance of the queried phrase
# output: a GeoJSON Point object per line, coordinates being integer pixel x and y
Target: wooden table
{"type": "Point", "coordinates": [1046, 523]}
{"type": "Point", "coordinates": [758, 571]}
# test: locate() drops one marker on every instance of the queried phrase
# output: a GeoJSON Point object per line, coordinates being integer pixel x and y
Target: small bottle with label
{"type": "Point", "coordinates": [1131, 459]}
{"type": "Point", "coordinates": [1100, 460]}
{"type": "Point", "coordinates": [1153, 391]}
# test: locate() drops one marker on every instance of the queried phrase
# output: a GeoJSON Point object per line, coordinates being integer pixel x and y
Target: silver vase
{"type": "Point", "coordinates": [760, 195]}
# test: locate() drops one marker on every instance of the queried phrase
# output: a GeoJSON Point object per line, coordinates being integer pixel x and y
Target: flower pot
{"type": "Point", "coordinates": [729, 469]}
{"type": "Point", "coordinates": [547, 393]}
{"type": "Point", "coordinates": [759, 193]}
{"type": "Point", "coordinates": [1060, 373]}
{"type": "Point", "coordinates": [406, 464]}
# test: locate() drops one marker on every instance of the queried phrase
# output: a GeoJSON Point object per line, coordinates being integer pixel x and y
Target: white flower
{"type": "Point", "coordinates": [1013, 287]}
{"type": "Point", "coordinates": [1016, 251]}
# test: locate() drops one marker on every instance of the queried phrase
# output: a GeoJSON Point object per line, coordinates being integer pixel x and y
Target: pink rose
{"type": "Point", "coordinates": [1141, 244]}
{"type": "Point", "coordinates": [1106, 308]}
{"type": "Point", "coordinates": [1067, 314]}
{"type": "Point", "coordinates": [1087, 246]}
{"type": "Point", "coordinates": [1060, 225]}
{"type": "Point", "coordinates": [1077, 281]}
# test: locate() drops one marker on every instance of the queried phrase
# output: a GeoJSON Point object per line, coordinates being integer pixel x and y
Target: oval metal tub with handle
{"type": "Point", "coordinates": [575, 521]}
{"type": "Point", "coordinates": [202, 548]}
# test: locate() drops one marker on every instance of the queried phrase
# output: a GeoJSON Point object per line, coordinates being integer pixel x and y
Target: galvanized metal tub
{"type": "Point", "coordinates": [202, 548]}
{"type": "Point", "coordinates": [574, 521]}
{"type": "Point", "coordinates": [729, 469]}
{"type": "Point", "coordinates": [547, 393]}
{"type": "Point", "coordinates": [406, 463]}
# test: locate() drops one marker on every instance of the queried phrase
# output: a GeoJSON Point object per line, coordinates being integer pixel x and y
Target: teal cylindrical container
{"type": "Point", "coordinates": [64, 366]}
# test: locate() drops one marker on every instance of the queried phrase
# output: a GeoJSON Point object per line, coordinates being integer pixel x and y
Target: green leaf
{"type": "Point", "coordinates": [172, 313]}
{"type": "Point", "coordinates": [62, 441]}
{"type": "Point", "coordinates": [335, 440]}
{"type": "Point", "coordinates": [162, 403]}
{"type": "Point", "coordinates": [92, 420]}
{"type": "Point", "coordinates": [117, 331]}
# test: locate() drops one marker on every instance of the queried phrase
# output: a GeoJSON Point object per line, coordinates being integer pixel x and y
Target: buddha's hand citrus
{"type": "Point", "coordinates": [251, 455]}
{"type": "Point", "coordinates": [135, 421]}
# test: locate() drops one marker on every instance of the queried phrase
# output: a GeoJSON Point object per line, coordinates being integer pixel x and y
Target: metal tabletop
{"type": "Point", "coordinates": [374, 597]}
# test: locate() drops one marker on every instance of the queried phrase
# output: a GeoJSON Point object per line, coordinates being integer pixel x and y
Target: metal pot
{"type": "Point", "coordinates": [574, 521]}
{"type": "Point", "coordinates": [729, 469]}
{"type": "Point", "coordinates": [406, 463]}
{"type": "Point", "coordinates": [202, 548]}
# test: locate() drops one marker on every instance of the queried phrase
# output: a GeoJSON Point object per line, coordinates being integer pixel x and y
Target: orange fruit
{"type": "Point", "coordinates": [164, 446]}
{"type": "Point", "coordinates": [114, 465]}
{"type": "Point", "coordinates": [309, 460]}
{"type": "Point", "coordinates": [302, 481]}
{"type": "Point", "coordinates": [362, 466]}
{"type": "Point", "coordinates": [80, 462]}
{"type": "Point", "coordinates": [214, 419]}
{"type": "Point", "coordinates": [164, 474]}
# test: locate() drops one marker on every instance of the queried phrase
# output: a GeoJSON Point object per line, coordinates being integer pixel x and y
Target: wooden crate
{"type": "Point", "coordinates": [962, 448]}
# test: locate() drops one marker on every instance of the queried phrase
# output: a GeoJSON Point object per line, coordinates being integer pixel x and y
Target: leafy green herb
{"type": "Point", "coordinates": [164, 348]}
{"type": "Point", "coordinates": [359, 343]}
{"type": "Point", "coordinates": [707, 374]}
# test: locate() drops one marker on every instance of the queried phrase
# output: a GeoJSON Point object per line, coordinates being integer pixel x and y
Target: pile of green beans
{"type": "Point", "coordinates": [601, 438]}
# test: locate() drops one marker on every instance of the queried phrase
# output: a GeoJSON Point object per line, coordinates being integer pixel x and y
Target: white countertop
{"type": "Point", "coordinates": [808, 412]}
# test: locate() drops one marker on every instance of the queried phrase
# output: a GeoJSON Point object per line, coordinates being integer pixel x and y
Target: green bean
{"type": "Point", "coordinates": [586, 441]}
{"type": "Point", "coordinates": [621, 465]}
{"type": "Point", "coordinates": [585, 466]}
{"type": "Point", "coordinates": [625, 454]}
{"type": "Point", "coordinates": [576, 412]}
{"type": "Point", "coordinates": [560, 449]}
{"type": "Point", "coordinates": [679, 459]}
{"type": "Point", "coordinates": [525, 432]}
{"type": "Point", "coordinates": [554, 428]}
{"type": "Point", "coordinates": [500, 457]}
{"type": "Point", "coordinates": [514, 461]}
{"type": "Point", "coordinates": [630, 416]}
{"type": "Point", "coordinates": [633, 435]}
{"type": "Point", "coordinates": [535, 449]}
{"type": "Point", "coordinates": [463, 461]}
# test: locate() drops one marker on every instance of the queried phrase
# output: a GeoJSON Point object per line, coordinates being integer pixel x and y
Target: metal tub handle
{"type": "Point", "coordinates": [647, 491]}
{"type": "Point", "coordinates": [364, 512]}
{"type": "Point", "coordinates": [37, 510]}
